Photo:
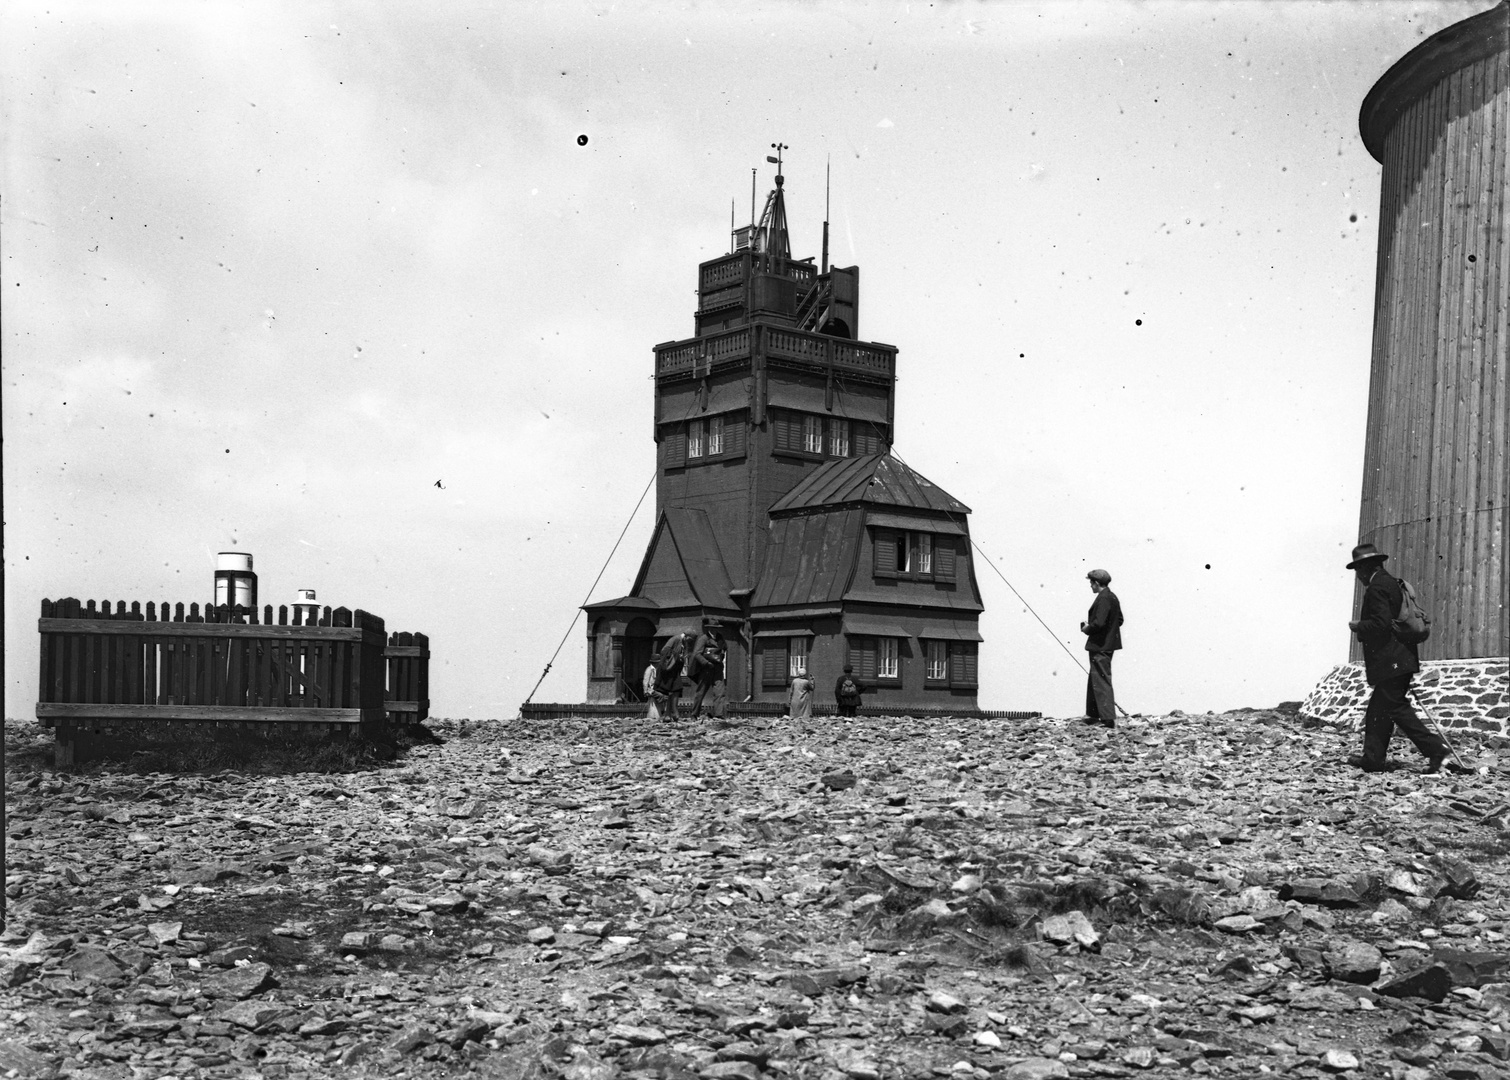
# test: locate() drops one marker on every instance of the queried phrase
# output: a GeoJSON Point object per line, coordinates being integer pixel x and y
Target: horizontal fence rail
{"type": "Point", "coordinates": [335, 667]}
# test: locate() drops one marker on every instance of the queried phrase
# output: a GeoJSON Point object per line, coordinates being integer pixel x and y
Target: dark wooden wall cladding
{"type": "Point", "coordinates": [1435, 479]}
{"type": "Point", "coordinates": [224, 665]}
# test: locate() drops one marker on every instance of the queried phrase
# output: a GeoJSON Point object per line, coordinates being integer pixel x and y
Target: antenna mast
{"type": "Point", "coordinates": [826, 166]}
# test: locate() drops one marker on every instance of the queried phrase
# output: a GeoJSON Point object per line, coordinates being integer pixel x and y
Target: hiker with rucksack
{"type": "Point", "coordinates": [847, 691]}
{"type": "Point", "coordinates": [1390, 625]}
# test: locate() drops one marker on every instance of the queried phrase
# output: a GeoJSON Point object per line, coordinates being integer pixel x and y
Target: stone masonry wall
{"type": "Point", "coordinates": [1470, 696]}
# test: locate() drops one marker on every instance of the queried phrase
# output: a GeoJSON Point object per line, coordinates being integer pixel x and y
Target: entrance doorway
{"type": "Point", "coordinates": [639, 643]}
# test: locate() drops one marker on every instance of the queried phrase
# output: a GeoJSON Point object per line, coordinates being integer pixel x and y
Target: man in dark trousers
{"type": "Point", "coordinates": [847, 691]}
{"type": "Point", "coordinates": [1389, 664]}
{"type": "Point", "coordinates": [705, 667]}
{"type": "Point", "coordinates": [1103, 636]}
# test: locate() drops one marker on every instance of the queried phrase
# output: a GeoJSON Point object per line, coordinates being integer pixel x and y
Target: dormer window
{"type": "Point", "coordinates": [922, 556]}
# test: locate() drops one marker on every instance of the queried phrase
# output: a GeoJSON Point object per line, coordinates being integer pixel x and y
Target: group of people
{"type": "Point", "coordinates": [1390, 662]}
{"type": "Point", "coordinates": [847, 694]}
{"type": "Point", "coordinates": [698, 657]}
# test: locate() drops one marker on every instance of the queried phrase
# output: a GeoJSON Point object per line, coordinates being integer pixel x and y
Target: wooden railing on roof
{"type": "Point", "coordinates": [225, 665]}
{"type": "Point", "coordinates": [807, 349]}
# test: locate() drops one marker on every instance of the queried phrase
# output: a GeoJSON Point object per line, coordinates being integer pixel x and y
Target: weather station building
{"type": "Point", "coordinates": [782, 513]}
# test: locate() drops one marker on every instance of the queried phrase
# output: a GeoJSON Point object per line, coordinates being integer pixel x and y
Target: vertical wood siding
{"type": "Point", "coordinates": [1435, 480]}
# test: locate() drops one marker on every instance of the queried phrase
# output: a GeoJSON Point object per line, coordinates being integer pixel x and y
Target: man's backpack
{"type": "Point", "coordinates": [1412, 626]}
{"type": "Point", "coordinates": [849, 688]}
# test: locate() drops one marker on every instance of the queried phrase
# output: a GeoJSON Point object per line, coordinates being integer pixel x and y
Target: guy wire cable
{"type": "Point", "coordinates": [653, 475]}
{"type": "Point", "coordinates": [892, 451]}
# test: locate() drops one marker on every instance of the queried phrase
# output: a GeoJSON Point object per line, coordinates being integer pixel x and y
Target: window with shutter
{"type": "Point", "coordinates": [676, 449]}
{"type": "Point", "coordinates": [888, 665]}
{"type": "Point", "coordinates": [886, 553]}
{"type": "Point", "coordinates": [781, 421]}
{"type": "Point", "coordinates": [694, 439]}
{"type": "Point", "coordinates": [734, 435]}
{"type": "Point", "coordinates": [812, 434]}
{"type": "Point", "coordinates": [937, 655]}
{"type": "Point", "coordinates": [715, 436]}
{"type": "Point", "coordinates": [962, 663]}
{"type": "Point", "coordinates": [943, 559]}
{"type": "Point", "coordinates": [796, 656]}
{"type": "Point", "coordinates": [773, 666]}
{"type": "Point", "coordinates": [838, 437]}
{"type": "Point", "coordinates": [862, 657]}
{"type": "Point", "coordinates": [925, 553]}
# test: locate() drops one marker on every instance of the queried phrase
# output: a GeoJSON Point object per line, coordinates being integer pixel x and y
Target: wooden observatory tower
{"type": "Point", "coordinates": [781, 513]}
{"type": "Point", "coordinates": [1434, 476]}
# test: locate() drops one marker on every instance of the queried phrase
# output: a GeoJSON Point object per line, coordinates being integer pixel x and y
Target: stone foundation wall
{"type": "Point", "coordinates": [1461, 695]}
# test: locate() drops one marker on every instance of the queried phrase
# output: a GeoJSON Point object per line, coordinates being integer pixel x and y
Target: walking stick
{"type": "Point", "coordinates": [1432, 720]}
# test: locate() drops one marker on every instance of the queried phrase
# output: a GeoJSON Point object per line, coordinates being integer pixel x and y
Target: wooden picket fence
{"type": "Point", "coordinates": [339, 671]}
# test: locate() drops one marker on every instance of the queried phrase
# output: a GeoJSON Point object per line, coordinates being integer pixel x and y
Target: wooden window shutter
{"type": "Point", "coordinates": [962, 663]}
{"type": "Point", "coordinates": [734, 435]}
{"type": "Point", "coordinates": [886, 553]}
{"type": "Point", "coordinates": [862, 657]}
{"type": "Point", "coordinates": [781, 420]}
{"type": "Point", "coordinates": [943, 558]}
{"type": "Point", "coordinates": [676, 449]}
{"type": "Point", "coordinates": [773, 667]}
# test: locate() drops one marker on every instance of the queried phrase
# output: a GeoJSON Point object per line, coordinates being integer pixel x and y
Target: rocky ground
{"type": "Point", "coordinates": [877, 898]}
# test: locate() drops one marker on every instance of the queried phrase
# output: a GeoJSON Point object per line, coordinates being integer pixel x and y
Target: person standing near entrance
{"type": "Point", "coordinates": [705, 667]}
{"type": "Point", "coordinates": [1389, 664]}
{"type": "Point", "coordinates": [648, 681]}
{"type": "Point", "coordinates": [1103, 636]}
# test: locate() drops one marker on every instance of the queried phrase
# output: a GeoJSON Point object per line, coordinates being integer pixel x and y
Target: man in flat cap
{"type": "Point", "coordinates": [1103, 636]}
{"type": "Point", "coordinates": [1389, 664]}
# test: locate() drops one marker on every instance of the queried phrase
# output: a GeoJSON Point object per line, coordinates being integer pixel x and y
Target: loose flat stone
{"type": "Point", "coordinates": [1238, 924]}
{"type": "Point", "coordinates": [1339, 1061]}
{"type": "Point", "coordinates": [729, 1070]}
{"type": "Point", "coordinates": [940, 1002]}
{"type": "Point", "coordinates": [1431, 982]}
{"type": "Point", "coordinates": [239, 982]}
{"type": "Point", "coordinates": [639, 1036]}
{"type": "Point", "coordinates": [165, 932]}
{"type": "Point", "coordinates": [254, 1014]}
{"type": "Point", "coordinates": [92, 962]}
{"type": "Point", "coordinates": [1037, 1069]}
{"type": "Point", "coordinates": [1353, 961]}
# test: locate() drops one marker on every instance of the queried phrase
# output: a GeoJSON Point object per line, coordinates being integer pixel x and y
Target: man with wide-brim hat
{"type": "Point", "coordinates": [1389, 665]}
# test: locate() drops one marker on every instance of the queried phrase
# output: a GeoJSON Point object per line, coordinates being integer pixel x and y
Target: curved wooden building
{"type": "Point", "coordinates": [1435, 477]}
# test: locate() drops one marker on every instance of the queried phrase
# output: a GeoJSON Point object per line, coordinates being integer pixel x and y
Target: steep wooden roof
{"type": "Point", "coordinates": [684, 566]}
{"type": "Point", "coordinates": [875, 479]}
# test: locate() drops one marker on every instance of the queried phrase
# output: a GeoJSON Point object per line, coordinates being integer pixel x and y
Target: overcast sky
{"type": "Point", "coordinates": [341, 285]}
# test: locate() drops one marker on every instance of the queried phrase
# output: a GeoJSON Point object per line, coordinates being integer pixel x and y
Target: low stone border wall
{"type": "Point", "coordinates": [1462, 695]}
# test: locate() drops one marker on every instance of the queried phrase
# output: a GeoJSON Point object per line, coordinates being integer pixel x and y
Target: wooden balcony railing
{"type": "Point", "coordinates": [807, 349]}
